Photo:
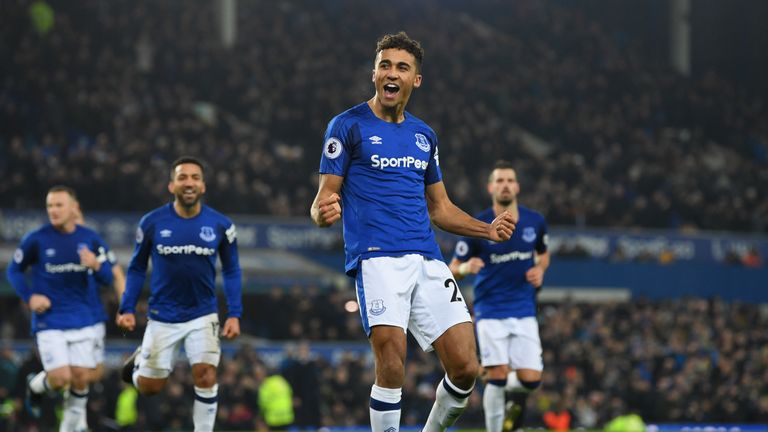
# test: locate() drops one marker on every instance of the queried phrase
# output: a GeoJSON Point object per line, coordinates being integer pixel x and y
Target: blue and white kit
{"type": "Point", "coordinates": [389, 243]}
{"type": "Point", "coordinates": [183, 253]}
{"type": "Point", "coordinates": [182, 305]}
{"type": "Point", "coordinates": [505, 302]}
{"type": "Point", "coordinates": [62, 332]}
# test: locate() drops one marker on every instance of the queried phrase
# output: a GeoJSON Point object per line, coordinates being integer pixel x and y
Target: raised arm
{"type": "Point", "coordinates": [326, 209]}
{"type": "Point", "coordinates": [446, 216]}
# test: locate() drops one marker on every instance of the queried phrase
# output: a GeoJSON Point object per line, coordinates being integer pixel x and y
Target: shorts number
{"type": "Point", "coordinates": [455, 297]}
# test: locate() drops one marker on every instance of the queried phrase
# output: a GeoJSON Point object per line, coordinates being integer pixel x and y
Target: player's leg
{"type": "Point", "coordinates": [98, 372]}
{"type": "Point", "coordinates": [54, 379]}
{"type": "Point", "coordinates": [130, 364]}
{"type": "Point", "coordinates": [206, 397]}
{"type": "Point", "coordinates": [494, 397]}
{"type": "Point", "coordinates": [76, 401]}
{"type": "Point", "coordinates": [153, 361]}
{"type": "Point", "coordinates": [148, 386]}
{"type": "Point", "coordinates": [82, 363]}
{"type": "Point", "coordinates": [493, 338]}
{"type": "Point", "coordinates": [204, 352]}
{"type": "Point", "coordinates": [457, 352]}
{"type": "Point", "coordinates": [389, 349]}
{"type": "Point", "coordinates": [384, 287]}
{"type": "Point", "coordinates": [526, 359]}
{"type": "Point", "coordinates": [40, 384]}
{"type": "Point", "coordinates": [55, 376]}
{"type": "Point", "coordinates": [520, 383]}
{"type": "Point", "coordinates": [98, 336]}
{"type": "Point", "coordinates": [440, 320]}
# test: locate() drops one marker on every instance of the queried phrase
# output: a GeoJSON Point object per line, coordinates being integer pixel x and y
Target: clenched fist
{"type": "Point", "coordinates": [329, 210]}
{"type": "Point", "coordinates": [502, 227]}
{"type": "Point", "coordinates": [39, 303]}
{"type": "Point", "coordinates": [126, 321]}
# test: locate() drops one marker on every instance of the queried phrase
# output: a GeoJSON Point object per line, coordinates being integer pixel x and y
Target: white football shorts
{"type": "Point", "coordinates": [162, 342]}
{"type": "Point", "coordinates": [99, 333]}
{"type": "Point", "coordinates": [510, 341]}
{"type": "Point", "coordinates": [73, 347]}
{"type": "Point", "coordinates": [410, 292]}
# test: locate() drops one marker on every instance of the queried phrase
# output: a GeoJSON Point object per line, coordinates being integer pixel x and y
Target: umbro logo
{"type": "Point", "coordinates": [50, 252]}
{"type": "Point", "coordinates": [375, 139]}
{"type": "Point", "coordinates": [165, 233]}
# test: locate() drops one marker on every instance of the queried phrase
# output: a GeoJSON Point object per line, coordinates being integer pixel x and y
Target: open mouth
{"type": "Point", "coordinates": [391, 89]}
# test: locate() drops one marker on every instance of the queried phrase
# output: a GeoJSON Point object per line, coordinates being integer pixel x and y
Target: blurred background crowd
{"type": "Point", "coordinates": [676, 361]}
{"type": "Point", "coordinates": [604, 131]}
{"type": "Point", "coordinates": [102, 96]}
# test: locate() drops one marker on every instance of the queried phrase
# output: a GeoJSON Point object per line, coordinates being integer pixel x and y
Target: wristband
{"type": "Point", "coordinates": [464, 268]}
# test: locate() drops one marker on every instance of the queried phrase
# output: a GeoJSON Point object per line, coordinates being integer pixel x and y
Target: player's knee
{"type": "Point", "coordinates": [98, 373]}
{"type": "Point", "coordinates": [59, 382]}
{"type": "Point", "coordinates": [80, 377]}
{"type": "Point", "coordinates": [391, 365]}
{"type": "Point", "coordinates": [389, 357]}
{"type": "Point", "coordinates": [464, 375]}
{"type": "Point", "coordinates": [530, 376]}
{"type": "Point", "coordinates": [204, 375]}
{"type": "Point", "coordinates": [59, 379]}
{"type": "Point", "coordinates": [495, 373]}
{"type": "Point", "coordinates": [206, 380]}
{"type": "Point", "coordinates": [530, 385]}
{"type": "Point", "coordinates": [149, 390]}
{"type": "Point", "coordinates": [150, 386]}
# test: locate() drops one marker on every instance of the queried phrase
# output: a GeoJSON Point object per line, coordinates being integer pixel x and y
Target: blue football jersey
{"type": "Point", "coordinates": [56, 273]}
{"type": "Point", "coordinates": [183, 253]}
{"type": "Point", "coordinates": [386, 167]}
{"type": "Point", "coordinates": [501, 290]}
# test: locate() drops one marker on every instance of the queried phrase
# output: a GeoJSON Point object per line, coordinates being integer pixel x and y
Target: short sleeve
{"type": "Point", "coordinates": [337, 149]}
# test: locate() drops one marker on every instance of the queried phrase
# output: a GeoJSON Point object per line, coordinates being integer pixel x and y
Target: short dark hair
{"type": "Point", "coordinates": [503, 164]}
{"type": "Point", "coordinates": [401, 41]}
{"type": "Point", "coordinates": [187, 160]}
{"type": "Point", "coordinates": [63, 188]}
{"type": "Point", "coordinates": [500, 164]}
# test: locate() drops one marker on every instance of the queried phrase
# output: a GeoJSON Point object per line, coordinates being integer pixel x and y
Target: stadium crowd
{"type": "Point", "coordinates": [689, 360]}
{"type": "Point", "coordinates": [105, 97]}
